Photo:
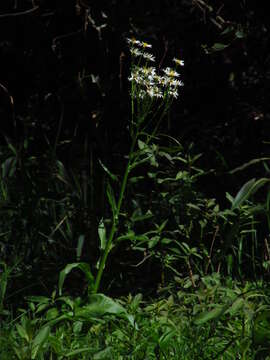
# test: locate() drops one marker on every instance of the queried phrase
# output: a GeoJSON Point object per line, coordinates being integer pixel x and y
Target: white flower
{"type": "Point", "coordinates": [148, 71]}
{"type": "Point", "coordinates": [170, 72]}
{"type": "Point", "coordinates": [141, 94]}
{"type": "Point", "coordinates": [173, 93]}
{"type": "Point", "coordinates": [148, 56]}
{"type": "Point", "coordinates": [175, 82]}
{"type": "Point", "coordinates": [154, 91]}
{"type": "Point", "coordinates": [135, 76]}
{"type": "Point", "coordinates": [133, 41]}
{"type": "Point", "coordinates": [136, 52]}
{"type": "Point", "coordinates": [163, 80]}
{"type": "Point", "coordinates": [178, 62]}
{"type": "Point", "coordinates": [145, 45]}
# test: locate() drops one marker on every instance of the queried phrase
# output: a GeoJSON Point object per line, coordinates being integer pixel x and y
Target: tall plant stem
{"type": "Point", "coordinates": [115, 219]}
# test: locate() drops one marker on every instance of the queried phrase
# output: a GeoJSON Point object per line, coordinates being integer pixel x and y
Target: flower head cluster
{"type": "Point", "coordinates": [148, 82]}
{"type": "Point", "coordinates": [138, 49]}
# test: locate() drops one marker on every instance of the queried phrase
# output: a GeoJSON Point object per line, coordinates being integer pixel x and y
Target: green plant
{"type": "Point", "coordinates": [151, 97]}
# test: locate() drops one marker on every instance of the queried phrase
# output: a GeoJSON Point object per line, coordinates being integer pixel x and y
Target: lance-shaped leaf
{"type": "Point", "coordinates": [248, 189]}
{"type": "Point", "coordinates": [39, 340]}
{"type": "Point", "coordinates": [111, 198]}
{"type": "Point", "coordinates": [102, 234]}
{"type": "Point", "coordinates": [84, 267]}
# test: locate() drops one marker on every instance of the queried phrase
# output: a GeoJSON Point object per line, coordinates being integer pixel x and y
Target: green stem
{"type": "Point", "coordinates": [115, 219]}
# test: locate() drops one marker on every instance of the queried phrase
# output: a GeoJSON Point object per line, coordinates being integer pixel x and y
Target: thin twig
{"type": "Point", "coordinates": [211, 249]}
{"type": "Point", "coordinates": [121, 67]}
{"type": "Point", "coordinates": [142, 261]}
{"type": "Point", "coordinates": [11, 100]}
{"type": "Point", "coordinates": [21, 13]}
{"type": "Point", "coordinates": [166, 47]}
{"type": "Point", "coordinates": [267, 248]}
{"type": "Point", "coordinates": [191, 274]}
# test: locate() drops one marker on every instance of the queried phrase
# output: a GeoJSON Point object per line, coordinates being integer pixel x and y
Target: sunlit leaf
{"type": "Point", "coordinates": [39, 340]}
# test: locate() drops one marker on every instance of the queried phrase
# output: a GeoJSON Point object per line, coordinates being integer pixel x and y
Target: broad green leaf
{"type": "Point", "coordinates": [102, 235]}
{"type": "Point", "coordinates": [209, 315]}
{"type": "Point", "coordinates": [84, 267]}
{"type": "Point", "coordinates": [243, 193]}
{"type": "Point", "coordinates": [39, 340]}
{"type": "Point", "coordinates": [165, 340]}
{"type": "Point", "coordinates": [247, 190]}
{"type": "Point", "coordinates": [39, 299]}
{"type": "Point", "coordinates": [67, 316]}
{"type": "Point", "coordinates": [41, 307]}
{"type": "Point", "coordinates": [22, 332]}
{"type": "Point", "coordinates": [77, 327]}
{"type": "Point", "coordinates": [68, 301]}
{"type": "Point", "coordinates": [100, 305]}
{"type": "Point", "coordinates": [52, 314]}
{"type": "Point", "coordinates": [131, 236]}
{"type": "Point", "coordinates": [136, 301]}
{"type": "Point", "coordinates": [153, 241]}
{"type": "Point", "coordinates": [229, 197]}
{"type": "Point", "coordinates": [236, 306]}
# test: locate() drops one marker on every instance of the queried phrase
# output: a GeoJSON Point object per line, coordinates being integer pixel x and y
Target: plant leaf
{"type": "Point", "coordinates": [251, 162]}
{"type": "Point", "coordinates": [100, 305]}
{"type": "Point", "coordinates": [111, 198]}
{"type": "Point", "coordinates": [102, 234]}
{"type": "Point", "coordinates": [22, 332]}
{"type": "Point", "coordinates": [80, 246]}
{"type": "Point", "coordinates": [104, 354]}
{"type": "Point", "coordinates": [206, 316]}
{"type": "Point", "coordinates": [39, 340]}
{"type": "Point", "coordinates": [107, 171]}
{"type": "Point", "coordinates": [84, 267]}
{"type": "Point", "coordinates": [247, 190]}
{"type": "Point", "coordinates": [219, 47]}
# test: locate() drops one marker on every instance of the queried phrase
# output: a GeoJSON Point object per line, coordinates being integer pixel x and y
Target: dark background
{"type": "Point", "coordinates": [51, 51]}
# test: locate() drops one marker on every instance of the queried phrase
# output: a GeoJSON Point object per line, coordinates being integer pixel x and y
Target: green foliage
{"type": "Point", "coordinates": [219, 319]}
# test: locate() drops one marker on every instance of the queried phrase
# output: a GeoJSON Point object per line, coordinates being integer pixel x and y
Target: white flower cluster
{"type": "Point", "coordinates": [148, 82]}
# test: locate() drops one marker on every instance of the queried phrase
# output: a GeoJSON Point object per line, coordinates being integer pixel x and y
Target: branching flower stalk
{"type": "Point", "coordinates": [151, 96]}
